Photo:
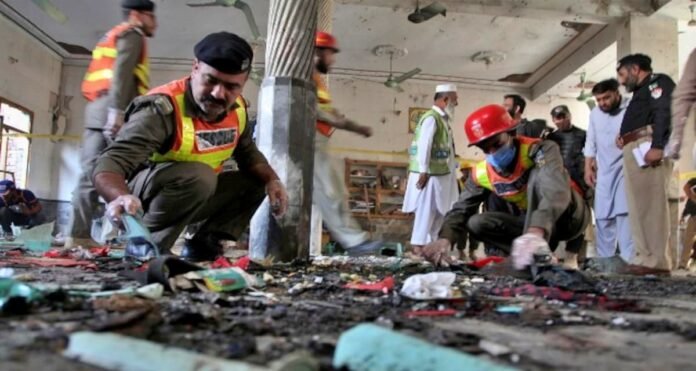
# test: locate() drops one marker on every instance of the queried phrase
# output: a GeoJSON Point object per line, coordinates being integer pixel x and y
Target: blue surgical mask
{"type": "Point", "coordinates": [503, 157]}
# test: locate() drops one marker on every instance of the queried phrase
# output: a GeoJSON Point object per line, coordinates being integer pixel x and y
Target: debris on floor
{"type": "Point", "coordinates": [254, 314]}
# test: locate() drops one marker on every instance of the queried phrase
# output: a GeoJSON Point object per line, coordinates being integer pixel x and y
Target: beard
{"type": "Point", "coordinates": [450, 110]}
{"type": "Point", "coordinates": [614, 108]}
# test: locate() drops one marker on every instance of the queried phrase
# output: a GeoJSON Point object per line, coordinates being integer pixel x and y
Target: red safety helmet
{"type": "Point", "coordinates": [486, 122]}
{"type": "Point", "coordinates": [326, 41]}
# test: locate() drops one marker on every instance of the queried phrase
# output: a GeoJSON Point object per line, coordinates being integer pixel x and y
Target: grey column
{"type": "Point", "coordinates": [286, 127]}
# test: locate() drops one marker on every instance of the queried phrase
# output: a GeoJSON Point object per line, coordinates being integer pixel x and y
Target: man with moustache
{"type": "Point", "coordinates": [647, 120]}
{"type": "Point", "coordinates": [432, 181]}
{"type": "Point", "coordinates": [166, 162]}
{"type": "Point", "coordinates": [604, 172]}
{"type": "Point", "coordinates": [118, 72]}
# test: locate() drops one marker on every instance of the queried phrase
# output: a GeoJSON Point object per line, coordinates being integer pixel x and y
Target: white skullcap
{"type": "Point", "coordinates": [446, 88]}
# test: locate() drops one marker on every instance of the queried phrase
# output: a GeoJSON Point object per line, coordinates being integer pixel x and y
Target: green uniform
{"type": "Point", "coordinates": [124, 88]}
{"type": "Point", "coordinates": [176, 194]}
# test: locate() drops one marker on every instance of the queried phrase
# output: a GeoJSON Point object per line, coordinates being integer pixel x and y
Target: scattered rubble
{"type": "Point", "coordinates": [256, 313]}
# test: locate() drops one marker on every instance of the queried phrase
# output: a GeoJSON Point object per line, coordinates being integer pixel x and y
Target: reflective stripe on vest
{"type": "Point", "coordinates": [196, 140]}
{"type": "Point", "coordinates": [101, 69]}
{"type": "Point", "coordinates": [440, 150]}
{"type": "Point", "coordinates": [512, 188]}
{"type": "Point", "coordinates": [324, 104]}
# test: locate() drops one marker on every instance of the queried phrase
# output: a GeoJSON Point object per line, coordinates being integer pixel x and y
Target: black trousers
{"type": "Point", "coordinates": [9, 217]}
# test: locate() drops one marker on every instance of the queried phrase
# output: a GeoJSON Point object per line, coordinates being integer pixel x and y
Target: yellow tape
{"type": "Point", "coordinates": [43, 136]}
{"type": "Point", "coordinates": [687, 175]}
{"type": "Point", "coordinates": [463, 162]}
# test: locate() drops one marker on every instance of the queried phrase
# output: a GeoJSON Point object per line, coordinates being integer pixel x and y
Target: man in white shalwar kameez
{"type": "Point", "coordinates": [432, 181]}
{"type": "Point", "coordinates": [604, 171]}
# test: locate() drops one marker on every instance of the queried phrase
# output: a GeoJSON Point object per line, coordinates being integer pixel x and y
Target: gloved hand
{"type": "Point", "coordinates": [437, 252]}
{"type": "Point", "coordinates": [114, 122]}
{"type": "Point", "coordinates": [672, 149]}
{"type": "Point", "coordinates": [125, 203]}
{"type": "Point", "coordinates": [525, 247]}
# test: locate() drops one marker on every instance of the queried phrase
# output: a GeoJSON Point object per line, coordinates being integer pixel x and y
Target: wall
{"type": "Point", "coordinates": [29, 73]}
{"type": "Point", "coordinates": [386, 111]}
{"type": "Point", "coordinates": [369, 103]}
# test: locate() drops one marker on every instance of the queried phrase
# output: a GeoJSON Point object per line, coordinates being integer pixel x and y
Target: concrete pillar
{"type": "Point", "coordinates": [286, 119]}
{"type": "Point", "coordinates": [324, 23]}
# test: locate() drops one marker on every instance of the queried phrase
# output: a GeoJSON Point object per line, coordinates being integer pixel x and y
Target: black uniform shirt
{"type": "Point", "coordinates": [650, 105]}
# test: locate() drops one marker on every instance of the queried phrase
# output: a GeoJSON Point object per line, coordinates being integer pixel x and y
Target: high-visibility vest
{"type": "Point", "coordinates": [197, 140]}
{"type": "Point", "coordinates": [98, 78]}
{"type": "Point", "coordinates": [323, 103]}
{"type": "Point", "coordinates": [440, 150]}
{"type": "Point", "coordinates": [512, 188]}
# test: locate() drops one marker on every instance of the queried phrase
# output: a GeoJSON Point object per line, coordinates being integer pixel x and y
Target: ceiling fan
{"type": "Point", "coordinates": [239, 4]}
{"type": "Point", "coordinates": [584, 95]}
{"type": "Point", "coordinates": [422, 15]}
{"type": "Point", "coordinates": [394, 82]}
{"type": "Point", "coordinates": [51, 10]}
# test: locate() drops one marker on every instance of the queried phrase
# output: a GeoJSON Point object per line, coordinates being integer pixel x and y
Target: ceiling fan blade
{"type": "Point", "coordinates": [201, 5]}
{"type": "Point", "coordinates": [244, 7]}
{"type": "Point", "coordinates": [408, 75]}
{"type": "Point", "coordinates": [51, 10]}
{"type": "Point", "coordinates": [433, 10]}
{"type": "Point", "coordinates": [398, 88]}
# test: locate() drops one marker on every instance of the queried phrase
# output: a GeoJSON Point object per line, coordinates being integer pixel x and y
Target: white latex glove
{"type": "Point", "coordinates": [125, 203]}
{"type": "Point", "coordinates": [525, 247]}
{"type": "Point", "coordinates": [672, 149]}
{"type": "Point", "coordinates": [114, 122]}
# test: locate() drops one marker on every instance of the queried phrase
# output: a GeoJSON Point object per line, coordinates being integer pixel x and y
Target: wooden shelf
{"type": "Point", "coordinates": [389, 197]}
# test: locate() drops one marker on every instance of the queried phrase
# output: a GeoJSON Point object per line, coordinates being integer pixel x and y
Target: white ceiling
{"type": "Point", "coordinates": [441, 47]}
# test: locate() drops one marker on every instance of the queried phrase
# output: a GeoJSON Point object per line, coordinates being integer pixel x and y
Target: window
{"type": "Point", "coordinates": [14, 147]}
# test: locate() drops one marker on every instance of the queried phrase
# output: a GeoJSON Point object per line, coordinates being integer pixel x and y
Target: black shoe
{"type": "Point", "coordinates": [201, 249]}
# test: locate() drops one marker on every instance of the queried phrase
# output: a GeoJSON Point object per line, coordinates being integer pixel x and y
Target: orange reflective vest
{"type": "Point", "coordinates": [512, 188]}
{"type": "Point", "coordinates": [323, 103]}
{"type": "Point", "coordinates": [101, 69]}
{"type": "Point", "coordinates": [197, 140]}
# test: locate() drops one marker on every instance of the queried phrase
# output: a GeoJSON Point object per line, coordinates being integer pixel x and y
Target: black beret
{"type": "Point", "coordinates": [226, 52]}
{"type": "Point", "coordinates": [145, 5]}
{"type": "Point", "coordinates": [641, 60]}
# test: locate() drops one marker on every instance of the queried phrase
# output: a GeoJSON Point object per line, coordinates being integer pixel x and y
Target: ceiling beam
{"type": "Point", "coordinates": [564, 53]}
{"type": "Point", "coordinates": [574, 60]}
{"type": "Point", "coordinates": [32, 29]}
{"type": "Point", "coordinates": [584, 11]}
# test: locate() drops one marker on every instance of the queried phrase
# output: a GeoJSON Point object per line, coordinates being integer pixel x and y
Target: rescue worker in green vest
{"type": "Point", "coordinates": [432, 182]}
{"type": "Point", "coordinates": [118, 72]}
{"type": "Point", "coordinates": [528, 172]}
{"type": "Point", "coordinates": [167, 160]}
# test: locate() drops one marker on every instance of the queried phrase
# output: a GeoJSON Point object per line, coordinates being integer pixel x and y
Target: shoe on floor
{"type": "Point", "coordinates": [366, 248]}
{"type": "Point", "coordinates": [201, 249]}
